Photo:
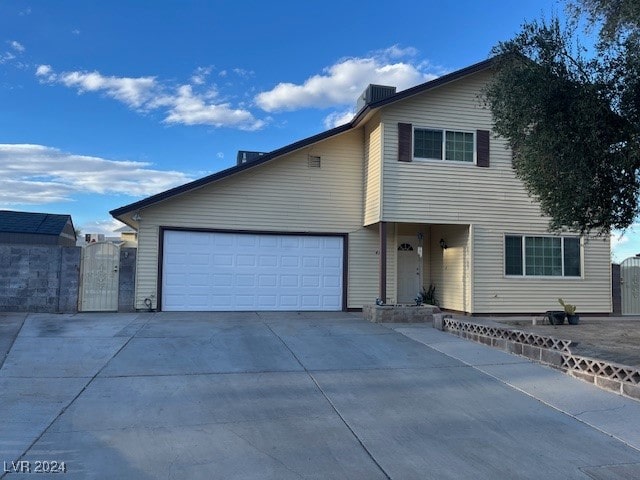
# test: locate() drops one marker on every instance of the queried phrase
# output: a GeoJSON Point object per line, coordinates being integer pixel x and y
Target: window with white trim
{"type": "Point", "coordinates": [441, 144]}
{"type": "Point", "coordinates": [542, 256]}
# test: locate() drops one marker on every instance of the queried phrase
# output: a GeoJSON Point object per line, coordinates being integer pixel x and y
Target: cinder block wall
{"type": "Point", "coordinates": [127, 281]}
{"type": "Point", "coordinates": [46, 278]}
{"type": "Point", "coordinates": [36, 278]}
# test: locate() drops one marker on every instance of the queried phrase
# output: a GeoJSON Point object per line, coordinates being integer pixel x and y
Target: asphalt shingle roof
{"type": "Point", "coordinates": [27, 222]}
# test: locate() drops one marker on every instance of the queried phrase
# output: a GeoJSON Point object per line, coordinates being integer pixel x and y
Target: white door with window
{"type": "Point", "coordinates": [408, 270]}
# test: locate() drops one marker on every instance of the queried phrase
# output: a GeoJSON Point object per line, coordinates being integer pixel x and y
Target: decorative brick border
{"type": "Point", "coordinates": [619, 378]}
{"type": "Point", "coordinates": [612, 376]}
{"type": "Point", "coordinates": [526, 338]}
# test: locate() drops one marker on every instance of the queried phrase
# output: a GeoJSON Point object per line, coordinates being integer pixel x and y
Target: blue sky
{"type": "Point", "coordinates": [104, 103]}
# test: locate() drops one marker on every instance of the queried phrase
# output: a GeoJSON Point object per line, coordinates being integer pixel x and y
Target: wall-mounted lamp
{"type": "Point", "coordinates": [136, 217]}
{"type": "Point", "coordinates": [443, 244]}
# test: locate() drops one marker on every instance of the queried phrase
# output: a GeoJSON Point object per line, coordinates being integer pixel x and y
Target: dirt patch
{"type": "Point", "coordinates": [614, 339]}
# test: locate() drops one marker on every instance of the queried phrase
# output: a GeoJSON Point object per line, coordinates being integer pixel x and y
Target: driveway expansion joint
{"type": "Point", "coordinates": [335, 409]}
{"type": "Point", "coordinates": [13, 341]}
{"type": "Point", "coordinates": [71, 402]}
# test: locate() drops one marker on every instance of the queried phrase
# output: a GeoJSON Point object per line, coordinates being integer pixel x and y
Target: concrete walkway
{"type": "Point", "coordinates": [310, 395]}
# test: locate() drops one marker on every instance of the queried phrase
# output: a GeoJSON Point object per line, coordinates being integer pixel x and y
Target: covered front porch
{"type": "Point", "coordinates": [414, 256]}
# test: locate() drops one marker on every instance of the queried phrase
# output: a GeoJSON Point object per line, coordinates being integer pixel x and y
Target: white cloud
{"type": "Point", "coordinates": [336, 119]}
{"type": "Point", "coordinates": [37, 174]}
{"type": "Point", "coordinates": [199, 77]}
{"type": "Point", "coordinates": [75, 31]}
{"type": "Point", "coordinates": [241, 72]}
{"type": "Point", "coordinates": [395, 51]}
{"type": "Point", "coordinates": [191, 109]}
{"type": "Point", "coordinates": [134, 92]}
{"type": "Point", "coordinates": [14, 50]}
{"type": "Point", "coordinates": [17, 46]}
{"type": "Point", "coordinates": [618, 239]}
{"type": "Point", "coordinates": [181, 104]}
{"type": "Point", "coordinates": [44, 71]}
{"type": "Point", "coordinates": [108, 227]}
{"type": "Point", "coordinates": [220, 155]}
{"type": "Point", "coordinates": [341, 83]}
{"type": "Point", "coordinates": [625, 243]}
{"type": "Point", "coordinates": [6, 56]}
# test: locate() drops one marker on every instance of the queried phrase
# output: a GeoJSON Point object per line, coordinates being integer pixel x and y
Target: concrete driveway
{"type": "Point", "coordinates": [295, 395]}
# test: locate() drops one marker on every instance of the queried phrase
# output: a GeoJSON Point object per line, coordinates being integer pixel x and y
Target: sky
{"type": "Point", "coordinates": [105, 103]}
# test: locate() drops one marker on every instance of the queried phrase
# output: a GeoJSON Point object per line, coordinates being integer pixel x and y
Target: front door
{"type": "Point", "coordinates": [408, 270]}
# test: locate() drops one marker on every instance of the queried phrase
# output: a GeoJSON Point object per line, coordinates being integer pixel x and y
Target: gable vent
{"type": "Point", "coordinates": [313, 162]}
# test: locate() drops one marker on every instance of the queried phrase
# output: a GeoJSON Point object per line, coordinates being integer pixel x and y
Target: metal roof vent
{"type": "Point", "coordinates": [374, 93]}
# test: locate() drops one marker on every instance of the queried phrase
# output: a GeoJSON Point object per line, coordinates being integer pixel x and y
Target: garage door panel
{"type": "Point", "coordinates": [267, 241]}
{"type": "Point", "coordinates": [226, 271]}
{"type": "Point", "coordinates": [246, 260]}
{"type": "Point", "coordinates": [267, 302]}
{"type": "Point", "coordinates": [246, 280]}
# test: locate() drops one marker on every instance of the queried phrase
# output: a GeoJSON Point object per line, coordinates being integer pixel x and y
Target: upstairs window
{"type": "Point", "coordinates": [542, 256]}
{"type": "Point", "coordinates": [437, 144]}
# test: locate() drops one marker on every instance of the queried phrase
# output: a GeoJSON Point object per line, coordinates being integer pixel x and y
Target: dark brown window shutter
{"type": "Point", "coordinates": [405, 142]}
{"type": "Point", "coordinates": [482, 148]}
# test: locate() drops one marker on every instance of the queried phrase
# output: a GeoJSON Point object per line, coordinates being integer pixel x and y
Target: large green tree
{"type": "Point", "coordinates": [571, 114]}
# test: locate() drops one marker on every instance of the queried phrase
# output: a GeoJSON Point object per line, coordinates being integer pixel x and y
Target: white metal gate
{"type": "Point", "coordinates": [630, 286]}
{"type": "Point", "coordinates": [99, 275]}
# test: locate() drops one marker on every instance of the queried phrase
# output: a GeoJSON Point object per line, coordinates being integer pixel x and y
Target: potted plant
{"type": "Point", "coordinates": [555, 317]}
{"type": "Point", "coordinates": [427, 297]}
{"type": "Point", "coordinates": [570, 310]}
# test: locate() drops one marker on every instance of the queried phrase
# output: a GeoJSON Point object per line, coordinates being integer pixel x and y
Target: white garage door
{"type": "Point", "coordinates": [205, 271]}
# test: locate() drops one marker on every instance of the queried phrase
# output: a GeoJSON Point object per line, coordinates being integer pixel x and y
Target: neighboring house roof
{"type": "Point", "coordinates": [34, 223]}
{"type": "Point", "coordinates": [125, 229]}
{"type": "Point", "coordinates": [359, 117]}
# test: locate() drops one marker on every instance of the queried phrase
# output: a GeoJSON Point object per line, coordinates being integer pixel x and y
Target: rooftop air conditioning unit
{"type": "Point", "coordinates": [374, 93]}
{"type": "Point", "coordinates": [245, 156]}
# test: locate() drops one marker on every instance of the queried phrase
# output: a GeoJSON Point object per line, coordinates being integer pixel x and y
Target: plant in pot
{"type": "Point", "coordinates": [570, 310]}
{"type": "Point", "coordinates": [555, 317]}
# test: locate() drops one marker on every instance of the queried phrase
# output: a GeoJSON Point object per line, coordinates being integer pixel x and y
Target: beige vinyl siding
{"type": "Point", "coordinates": [450, 267]}
{"type": "Point", "coordinates": [283, 195]}
{"type": "Point", "coordinates": [497, 293]}
{"type": "Point", "coordinates": [392, 263]}
{"type": "Point", "coordinates": [363, 266]}
{"type": "Point", "coordinates": [147, 264]}
{"type": "Point", "coordinates": [491, 199]}
{"type": "Point", "coordinates": [372, 170]}
{"type": "Point", "coordinates": [431, 191]}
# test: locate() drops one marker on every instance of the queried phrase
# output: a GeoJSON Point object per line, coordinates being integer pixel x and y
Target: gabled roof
{"type": "Point", "coordinates": [355, 122]}
{"type": "Point", "coordinates": [27, 222]}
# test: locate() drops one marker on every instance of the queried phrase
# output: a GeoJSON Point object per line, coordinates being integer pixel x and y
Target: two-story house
{"type": "Point", "coordinates": [414, 191]}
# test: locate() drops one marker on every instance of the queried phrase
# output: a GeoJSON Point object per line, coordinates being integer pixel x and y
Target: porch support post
{"type": "Point", "coordinates": [382, 286]}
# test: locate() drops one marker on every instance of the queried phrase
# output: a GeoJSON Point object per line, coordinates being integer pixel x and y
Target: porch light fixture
{"type": "Point", "coordinates": [443, 244]}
